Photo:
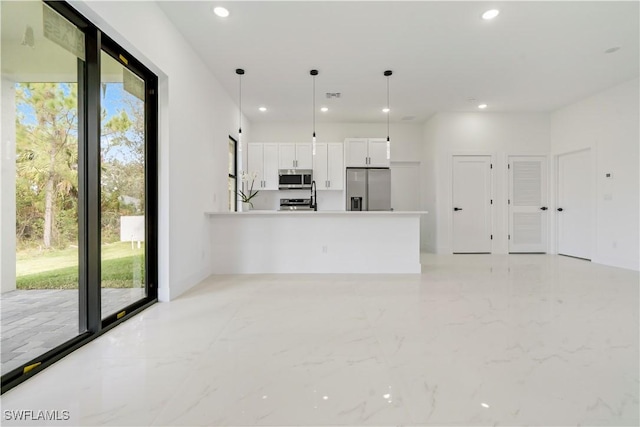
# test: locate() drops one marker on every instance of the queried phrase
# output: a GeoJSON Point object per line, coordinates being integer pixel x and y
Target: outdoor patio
{"type": "Point", "coordinates": [35, 321]}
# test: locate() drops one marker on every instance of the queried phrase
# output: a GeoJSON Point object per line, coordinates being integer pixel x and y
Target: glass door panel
{"type": "Point", "coordinates": [39, 182]}
{"type": "Point", "coordinates": [122, 176]}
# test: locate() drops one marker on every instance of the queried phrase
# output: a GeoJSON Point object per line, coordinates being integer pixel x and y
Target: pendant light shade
{"type": "Point", "coordinates": [240, 73]}
{"type": "Point", "coordinates": [388, 74]}
{"type": "Point", "coordinates": [314, 73]}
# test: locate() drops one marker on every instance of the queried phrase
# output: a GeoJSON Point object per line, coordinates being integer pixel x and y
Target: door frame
{"type": "Point", "coordinates": [554, 198]}
{"type": "Point", "coordinates": [452, 155]}
{"type": "Point", "coordinates": [89, 203]}
{"type": "Point", "coordinates": [550, 193]}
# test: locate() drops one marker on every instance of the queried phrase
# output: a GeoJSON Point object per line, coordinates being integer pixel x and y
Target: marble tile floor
{"type": "Point", "coordinates": [34, 321]}
{"type": "Point", "coordinates": [476, 340]}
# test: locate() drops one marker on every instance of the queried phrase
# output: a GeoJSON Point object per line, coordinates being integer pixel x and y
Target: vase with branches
{"type": "Point", "coordinates": [249, 194]}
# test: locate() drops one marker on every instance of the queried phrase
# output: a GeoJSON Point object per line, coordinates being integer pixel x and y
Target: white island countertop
{"type": "Point", "coordinates": [262, 241]}
{"type": "Point", "coordinates": [317, 213]}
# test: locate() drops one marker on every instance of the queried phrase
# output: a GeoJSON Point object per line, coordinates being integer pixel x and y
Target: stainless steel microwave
{"type": "Point", "coordinates": [289, 179]}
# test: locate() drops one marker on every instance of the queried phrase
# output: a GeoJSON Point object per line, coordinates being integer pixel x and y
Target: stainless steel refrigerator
{"type": "Point", "coordinates": [368, 189]}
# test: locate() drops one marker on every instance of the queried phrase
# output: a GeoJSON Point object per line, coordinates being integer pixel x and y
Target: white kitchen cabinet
{"type": "Point", "coordinates": [295, 156]}
{"type": "Point", "coordinates": [356, 152]}
{"type": "Point", "coordinates": [378, 153]}
{"type": "Point", "coordinates": [335, 166]}
{"type": "Point", "coordinates": [304, 157]}
{"type": "Point", "coordinates": [262, 159]}
{"type": "Point", "coordinates": [366, 152]}
{"type": "Point", "coordinates": [320, 173]}
{"type": "Point", "coordinates": [328, 166]}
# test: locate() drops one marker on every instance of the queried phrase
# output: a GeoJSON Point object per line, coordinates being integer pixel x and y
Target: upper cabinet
{"type": "Point", "coordinates": [295, 156]}
{"type": "Point", "coordinates": [328, 166]}
{"type": "Point", "coordinates": [262, 159]}
{"type": "Point", "coordinates": [366, 152]}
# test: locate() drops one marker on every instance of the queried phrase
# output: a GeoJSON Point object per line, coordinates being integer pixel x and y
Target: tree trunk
{"type": "Point", "coordinates": [48, 201]}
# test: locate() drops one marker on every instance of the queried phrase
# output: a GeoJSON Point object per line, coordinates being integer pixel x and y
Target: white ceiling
{"type": "Point", "coordinates": [535, 56]}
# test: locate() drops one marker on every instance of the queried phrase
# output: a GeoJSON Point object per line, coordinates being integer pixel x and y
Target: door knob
{"type": "Point", "coordinates": [457, 209]}
{"type": "Point", "coordinates": [544, 208]}
{"type": "Point", "coordinates": [560, 209]}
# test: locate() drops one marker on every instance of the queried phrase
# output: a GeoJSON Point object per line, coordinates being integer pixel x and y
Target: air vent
{"type": "Point", "coordinates": [407, 118]}
{"type": "Point", "coordinates": [333, 95]}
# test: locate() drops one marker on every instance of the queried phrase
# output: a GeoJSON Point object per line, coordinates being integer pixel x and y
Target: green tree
{"type": "Point", "coordinates": [122, 157]}
{"type": "Point", "coordinates": [47, 157]}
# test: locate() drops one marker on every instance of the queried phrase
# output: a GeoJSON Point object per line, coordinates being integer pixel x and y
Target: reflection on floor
{"type": "Point", "coordinates": [35, 321]}
{"type": "Point", "coordinates": [474, 340]}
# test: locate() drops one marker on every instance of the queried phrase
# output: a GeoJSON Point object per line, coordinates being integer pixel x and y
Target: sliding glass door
{"type": "Point", "coordinates": [78, 185]}
{"type": "Point", "coordinates": [122, 179]}
{"type": "Point", "coordinates": [40, 300]}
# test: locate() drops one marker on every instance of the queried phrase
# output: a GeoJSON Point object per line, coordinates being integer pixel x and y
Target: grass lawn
{"type": "Point", "coordinates": [122, 267]}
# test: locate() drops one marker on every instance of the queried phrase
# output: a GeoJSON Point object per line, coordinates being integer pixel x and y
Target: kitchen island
{"type": "Point", "coordinates": [374, 242]}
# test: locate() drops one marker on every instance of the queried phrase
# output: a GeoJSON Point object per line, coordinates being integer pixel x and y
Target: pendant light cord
{"type": "Point", "coordinates": [314, 106]}
{"type": "Point", "coordinates": [389, 108]}
{"type": "Point", "coordinates": [240, 104]}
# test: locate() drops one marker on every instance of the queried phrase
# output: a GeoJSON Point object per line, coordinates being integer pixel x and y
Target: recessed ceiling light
{"type": "Point", "coordinates": [385, 110]}
{"type": "Point", "coordinates": [324, 109]}
{"type": "Point", "coordinates": [221, 12]}
{"type": "Point", "coordinates": [263, 109]}
{"type": "Point", "coordinates": [482, 106]}
{"type": "Point", "coordinates": [612, 49]}
{"type": "Point", "coordinates": [490, 14]}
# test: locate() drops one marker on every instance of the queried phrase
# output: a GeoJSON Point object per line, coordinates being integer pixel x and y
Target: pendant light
{"type": "Point", "coordinates": [240, 73]}
{"type": "Point", "coordinates": [388, 74]}
{"type": "Point", "coordinates": [314, 73]}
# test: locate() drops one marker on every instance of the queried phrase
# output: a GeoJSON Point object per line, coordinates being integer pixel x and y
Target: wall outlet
{"type": "Point", "coordinates": [614, 244]}
{"type": "Point", "coordinates": [325, 249]}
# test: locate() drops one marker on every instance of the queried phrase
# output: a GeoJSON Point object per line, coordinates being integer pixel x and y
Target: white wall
{"type": "Point", "coordinates": [406, 146]}
{"type": "Point", "coordinates": [430, 166]}
{"type": "Point", "coordinates": [7, 187]}
{"type": "Point", "coordinates": [495, 134]}
{"type": "Point", "coordinates": [607, 123]}
{"type": "Point", "coordinates": [196, 118]}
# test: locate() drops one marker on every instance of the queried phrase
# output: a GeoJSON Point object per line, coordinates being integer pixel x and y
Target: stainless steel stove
{"type": "Point", "coordinates": [295, 205]}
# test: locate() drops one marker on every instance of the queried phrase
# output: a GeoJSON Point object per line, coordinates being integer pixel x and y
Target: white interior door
{"type": "Point", "coordinates": [471, 204]}
{"type": "Point", "coordinates": [405, 186]}
{"type": "Point", "coordinates": [574, 204]}
{"type": "Point", "coordinates": [528, 204]}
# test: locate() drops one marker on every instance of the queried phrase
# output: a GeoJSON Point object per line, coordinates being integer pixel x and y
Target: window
{"type": "Point", "coordinates": [233, 179]}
